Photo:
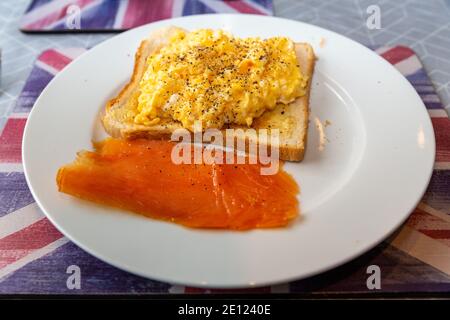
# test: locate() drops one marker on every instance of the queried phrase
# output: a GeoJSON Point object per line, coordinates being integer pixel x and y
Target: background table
{"type": "Point", "coordinates": [423, 26]}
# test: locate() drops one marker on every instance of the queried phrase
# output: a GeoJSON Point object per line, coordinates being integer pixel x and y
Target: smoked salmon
{"type": "Point", "coordinates": [139, 176]}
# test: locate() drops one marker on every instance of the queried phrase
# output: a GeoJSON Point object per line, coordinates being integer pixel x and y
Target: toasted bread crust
{"type": "Point", "coordinates": [116, 125]}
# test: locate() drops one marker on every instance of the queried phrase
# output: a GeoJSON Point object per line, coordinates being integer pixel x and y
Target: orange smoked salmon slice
{"type": "Point", "coordinates": [140, 176]}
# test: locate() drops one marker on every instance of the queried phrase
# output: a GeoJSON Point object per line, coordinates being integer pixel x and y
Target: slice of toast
{"type": "Point", "coordinates": [290, 119]}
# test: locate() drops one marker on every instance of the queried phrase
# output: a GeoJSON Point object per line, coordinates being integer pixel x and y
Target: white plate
{"type": "Point", "coordinates": [371, 173]}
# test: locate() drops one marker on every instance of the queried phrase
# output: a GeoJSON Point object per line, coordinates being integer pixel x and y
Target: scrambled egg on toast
{"type": "Point", "coordinates": [159, 100]}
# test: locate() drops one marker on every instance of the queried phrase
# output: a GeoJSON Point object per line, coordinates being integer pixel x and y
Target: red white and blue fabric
{"type": "Point", "coordinates": [34, 256]}
{"type": "Point", "coordinates": [53, 15]}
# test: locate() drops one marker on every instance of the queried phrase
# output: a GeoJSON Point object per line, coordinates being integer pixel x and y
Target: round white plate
{"type": "Point", "coordinates": [361, 177]}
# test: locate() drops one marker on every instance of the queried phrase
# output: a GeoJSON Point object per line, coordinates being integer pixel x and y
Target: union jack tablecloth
{"type": "Point", "coordinates": [36, 258]}
{"type": "Point", "coordinates": [89, 15]}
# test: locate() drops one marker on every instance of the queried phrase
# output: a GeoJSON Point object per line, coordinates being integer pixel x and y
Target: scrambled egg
{"type": "Point", "coordinates": [213, 77]}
